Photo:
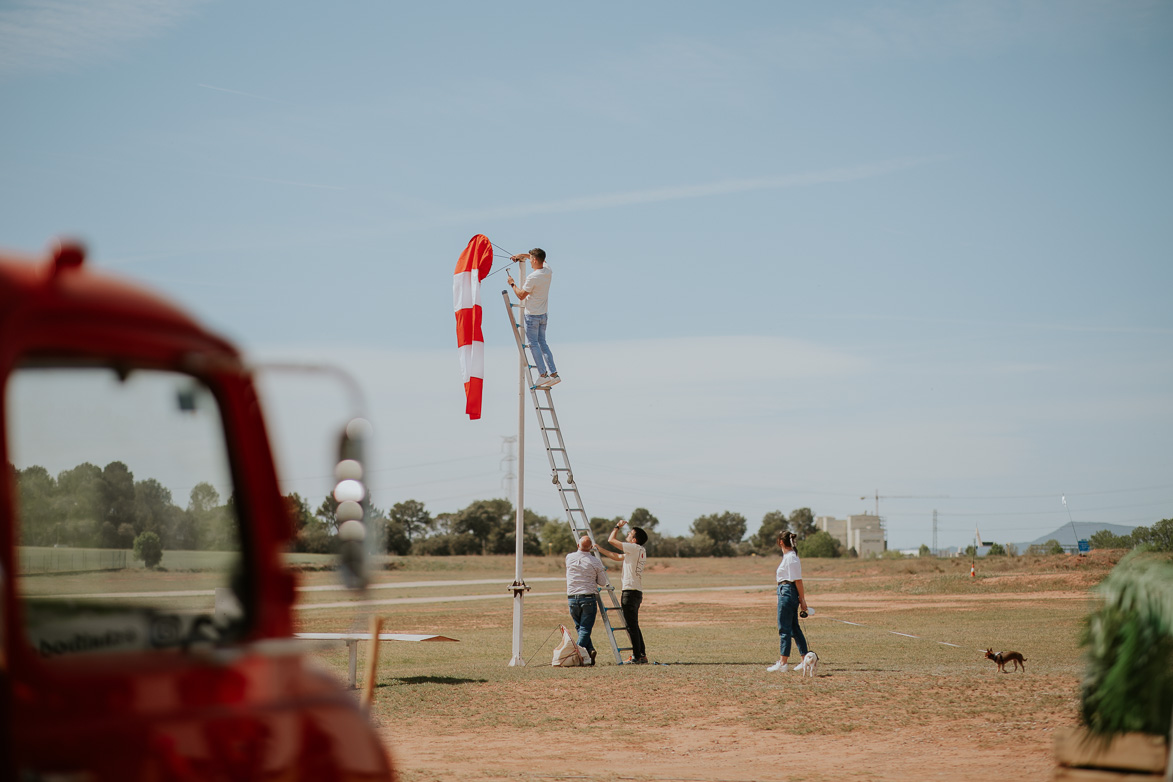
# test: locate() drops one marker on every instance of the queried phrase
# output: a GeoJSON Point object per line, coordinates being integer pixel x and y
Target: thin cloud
{"type": "Point", "coordinates": [60, 35]}
{"type": "Point", "coordinates": [1019, 325]}
{"type": "Point", "coordinates": [237, 92]}
{"type": "Point", "coordinates": [914, 32]}
{"type": "Point", "coordinates": [684, 192]}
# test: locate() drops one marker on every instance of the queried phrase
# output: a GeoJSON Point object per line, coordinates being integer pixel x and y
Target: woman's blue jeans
{"type": "Point", "coordinates": [535, 335]}
{"type": "Point", "coordinates": [788, 621]}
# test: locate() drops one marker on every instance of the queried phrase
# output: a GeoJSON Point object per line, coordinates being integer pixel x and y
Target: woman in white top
{"type": "Point", "coordinates": [791, 598]}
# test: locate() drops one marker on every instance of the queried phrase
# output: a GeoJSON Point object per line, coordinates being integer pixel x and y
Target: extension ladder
{"type": "Point", "coordinates": [563, 477]}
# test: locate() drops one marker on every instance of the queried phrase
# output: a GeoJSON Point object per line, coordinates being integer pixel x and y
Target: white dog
{"type": "Point", "coordinates": [810, 664]}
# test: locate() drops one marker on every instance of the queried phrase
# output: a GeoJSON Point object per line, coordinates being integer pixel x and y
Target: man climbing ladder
{"type": "Point", "coordinates": [534, 296]}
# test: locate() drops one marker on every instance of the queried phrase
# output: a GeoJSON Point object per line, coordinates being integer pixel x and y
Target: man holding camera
{"type": "Point", "coordinates": [633, 558]}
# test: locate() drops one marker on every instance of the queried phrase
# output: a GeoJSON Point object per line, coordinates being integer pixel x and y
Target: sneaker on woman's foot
{"type": "Point", "coordinates": [778, 666]}
{"type": "Point", "coordinates": [553, 380]}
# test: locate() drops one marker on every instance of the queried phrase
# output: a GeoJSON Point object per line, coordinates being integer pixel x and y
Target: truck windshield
{"type": "Point", "coordinates": [128, 537]}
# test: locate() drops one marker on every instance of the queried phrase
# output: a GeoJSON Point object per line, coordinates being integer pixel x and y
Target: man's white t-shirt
{"type": "Point", "coordinates": [634, 557]}
{"type": "Point", "coordinates": [537, 285]}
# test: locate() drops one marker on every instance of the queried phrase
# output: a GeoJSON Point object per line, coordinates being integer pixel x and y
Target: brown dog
{"type": "Point", "coordinates": [1005, 658]}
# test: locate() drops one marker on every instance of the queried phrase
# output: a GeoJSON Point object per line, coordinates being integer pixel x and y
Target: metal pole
{"type": "Point", "coordinates": [519, 547]}
{"type": "Point", "coordinates": [1071, 521]}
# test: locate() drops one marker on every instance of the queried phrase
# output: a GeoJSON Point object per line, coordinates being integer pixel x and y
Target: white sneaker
{"type": "Point", "coordinates": [541, 381]}
{"type": "Point", "coordinates": [777, 667]}
{"type": "Point", "coordinates": [553, 380]}
{"type": "Point", "coordinates": [798, 667]}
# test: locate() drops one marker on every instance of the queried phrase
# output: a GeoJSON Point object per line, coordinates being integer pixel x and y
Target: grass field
{"type": "Point", "coordinates": [884, 706]}
{"type": "Point", "coordinates": [903, 691]}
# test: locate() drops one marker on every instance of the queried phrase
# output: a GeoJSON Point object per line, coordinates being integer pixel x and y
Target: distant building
{"type": "Point", "coordinates": [863, 532]}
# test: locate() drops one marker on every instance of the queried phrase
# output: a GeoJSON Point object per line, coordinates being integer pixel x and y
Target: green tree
{"type": "Point", "coordinates": [117, 491]}
{"type": "Point", "coordinates": [152, 500]}
{"type": "Point", "coordinates": [820, 544]}
{"type": "Point", "coordinates": [1053, 546]}
{"type": "Point", "coordinates": [1161, 535]}
{"type": "Point", "coordinates": [325, 513]}
{"type": "Point", "coordinates": [204, 498]}
{"type": "Point", "coordinates": [36, 489]}
{"type": "Point", "coordinates": [311, 535]}
{"type": "Point", "coordinates": [557, 538]}
{"type": "Point", "coordinates": [394, 537]}
{"type": "Point", "coordinates": [802, 522]}
{"type": "Point", "coordinates": [924, 551]}
{"type": "Point", "coordinates": [765, 540]}
{"type": "Point", "coordinates": [1104, 539]}
{"type": "Point", "coordinates": [996, 550]}
{"type": "Point", "coordinates": [80, 493]}
{"type": "Point", "coordinates": [149, 549]}
{"type": "Point", "coordinates": [698, 544]}
{"type": "Point", "coordinates": [601, 527]}
{"type": "Point", "coordinates": [725, 530]}
{"type": "Point", "coordinates": [643, 518]}
{"type": "Point", "coordinates": [413, 517]}
{"type": "Point", "coordinates": [492, 524]}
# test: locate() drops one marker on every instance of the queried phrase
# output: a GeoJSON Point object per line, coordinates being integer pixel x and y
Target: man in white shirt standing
{"type": "Point", "coordinates": [633, 558]}
{"type": "Point", "coordinates": [584, 575]}
{"type": "Point", "coordinates": [535, 296]}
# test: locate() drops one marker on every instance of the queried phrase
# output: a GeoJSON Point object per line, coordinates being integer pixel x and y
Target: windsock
{"type": "Point", "coordinates": [473, 266]}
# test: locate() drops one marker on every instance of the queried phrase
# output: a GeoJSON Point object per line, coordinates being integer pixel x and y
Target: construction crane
{"type": "Point", "coordinates": [879, 497]}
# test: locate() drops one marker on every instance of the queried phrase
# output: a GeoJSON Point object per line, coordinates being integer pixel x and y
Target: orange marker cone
{"type": "Point", "coordinates": [972, 572]}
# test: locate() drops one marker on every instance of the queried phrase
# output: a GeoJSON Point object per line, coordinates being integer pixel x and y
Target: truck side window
{"type": "Point", "coordinates": [128, 536]}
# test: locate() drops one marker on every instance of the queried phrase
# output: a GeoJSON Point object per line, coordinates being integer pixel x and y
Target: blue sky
{"type": "Point", "coordinates": [803, 253]}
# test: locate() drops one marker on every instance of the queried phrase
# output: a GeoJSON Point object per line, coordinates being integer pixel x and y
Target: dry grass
{"type": "Point", "coordinates": [714, 694]}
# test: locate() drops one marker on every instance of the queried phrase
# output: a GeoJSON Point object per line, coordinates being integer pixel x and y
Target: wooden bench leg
{"type": "Point", "coordinates": [352, 646]}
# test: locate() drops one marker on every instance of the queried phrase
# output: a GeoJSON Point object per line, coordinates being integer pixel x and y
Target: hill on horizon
{"type": "Point", "coordinates": [1085, 529]}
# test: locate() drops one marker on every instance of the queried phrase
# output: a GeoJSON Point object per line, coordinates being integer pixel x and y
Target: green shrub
{"type": "Point", "coordinates": [820, 544]}
{"type": "Point", "coordinates": [149, 549]}
{"type": "Point", "coordinates": [1129, 641]}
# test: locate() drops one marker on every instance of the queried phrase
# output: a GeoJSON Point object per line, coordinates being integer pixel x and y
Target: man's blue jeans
{"type": "Point", "coordinates": [788, 621]}
{"type": "Point", "coordinates": [535, 335]}
{"type": "Point", "coordinates": [582, 610]}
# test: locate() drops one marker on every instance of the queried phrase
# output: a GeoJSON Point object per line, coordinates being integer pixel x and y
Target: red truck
{"type": "Point", "coordinates": [114, 400]}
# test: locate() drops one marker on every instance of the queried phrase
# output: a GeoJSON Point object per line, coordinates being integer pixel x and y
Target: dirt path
{"type": "Point", "coordinates": [730, 755]}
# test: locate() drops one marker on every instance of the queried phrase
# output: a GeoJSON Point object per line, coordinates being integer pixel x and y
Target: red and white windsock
{"type": "Point", "coordinates": [473, 266]}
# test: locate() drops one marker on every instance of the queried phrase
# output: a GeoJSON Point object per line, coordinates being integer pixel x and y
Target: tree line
{"type": "Point", "coordinates": [106, 507]}
{"type": "Point", "coordinates": [489, 527]}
